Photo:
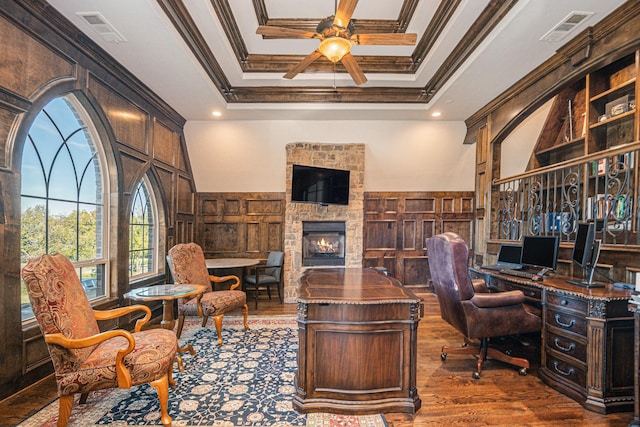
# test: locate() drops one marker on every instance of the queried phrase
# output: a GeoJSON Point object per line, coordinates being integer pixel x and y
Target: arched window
{"type": "Point", "coordinates": [63, 195]}
{"type": "Point", "coordinates": [142, 232]}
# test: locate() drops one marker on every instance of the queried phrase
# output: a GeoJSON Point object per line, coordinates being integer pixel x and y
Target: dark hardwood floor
{"type": "Point", "coordinates": [450, 396]}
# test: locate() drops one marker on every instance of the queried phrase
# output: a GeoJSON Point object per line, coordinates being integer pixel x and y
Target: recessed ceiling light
{"type": "Point", "coordinates": [216, 114]}
{"type": "Point", "coordinates": [436, 114]}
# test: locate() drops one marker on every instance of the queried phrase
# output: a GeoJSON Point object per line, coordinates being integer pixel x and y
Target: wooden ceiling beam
{"type": "Point", "coordinates": [184, 24]}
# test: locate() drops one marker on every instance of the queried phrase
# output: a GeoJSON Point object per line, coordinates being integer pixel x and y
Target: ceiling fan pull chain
{"type": "Point", "coordinates": [334, 76]}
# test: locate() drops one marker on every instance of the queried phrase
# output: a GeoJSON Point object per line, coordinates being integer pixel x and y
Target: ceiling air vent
{"type": "Point", "coordinates": [101, 26]}
{"type": "Point", "coordinates": [564, 27]}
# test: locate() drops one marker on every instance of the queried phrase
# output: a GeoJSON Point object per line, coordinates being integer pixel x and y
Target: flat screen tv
{"type": "Point", "coordinates": [540, 252]}
{"type": "Point", "coordinates": [310, 184]}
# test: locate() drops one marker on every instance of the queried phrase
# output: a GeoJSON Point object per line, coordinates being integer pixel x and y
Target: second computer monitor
{"type": "Point", "coordinates": [540, 251]}
{"type": "Point", "coordinates": [583, 246]}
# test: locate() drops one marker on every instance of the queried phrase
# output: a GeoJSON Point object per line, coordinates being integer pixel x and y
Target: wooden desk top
{"type": "Point", "coordinates": [559, 283]}
{"type": "Point", "coordinates": [352, 286]}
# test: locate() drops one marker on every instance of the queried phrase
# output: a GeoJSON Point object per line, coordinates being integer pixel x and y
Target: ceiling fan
{"type": "Point", "coordinates": [337, 36]}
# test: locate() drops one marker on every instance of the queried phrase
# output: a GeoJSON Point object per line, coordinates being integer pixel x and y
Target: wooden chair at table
{"type": "Point", "coordinates": [84, 359]}
{"type": "Point", "coordinates": [187, 265]}
{"type": "Point", "coordinates": [266, 276]}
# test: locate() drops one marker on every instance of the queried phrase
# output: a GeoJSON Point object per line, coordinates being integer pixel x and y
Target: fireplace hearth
{"type": "Point", "coordinates": [323, 243]}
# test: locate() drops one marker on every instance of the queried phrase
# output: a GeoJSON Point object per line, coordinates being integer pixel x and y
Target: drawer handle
{"type": "Point", "coordinates": [566, 325]}
{"type": "Point", "coordinates": [532, 294]}
{"type": "Point", "coordinates": [571, 347]}
{"type": "Point", "coordinates": [560, 371]}
{"type": "Point", "coordinates": [564, 302]}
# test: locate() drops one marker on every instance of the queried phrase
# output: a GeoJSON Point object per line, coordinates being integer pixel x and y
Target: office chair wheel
{"type": "Point", "coordinates": [476, 375]}
{"type": "Point", "coordinates": [443, 356]}
{"type": "Point", "coordinates": [522, 372]}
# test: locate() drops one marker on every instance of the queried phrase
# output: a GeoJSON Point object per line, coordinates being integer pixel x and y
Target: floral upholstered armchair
{"type": "Point", "coordinates": [187, 265]}
{"type": "Point", "coordinates": [85, 359]}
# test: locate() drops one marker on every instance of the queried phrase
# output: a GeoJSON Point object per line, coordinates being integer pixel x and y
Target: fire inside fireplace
{"type": "Point", "coordinates": [323, 243]}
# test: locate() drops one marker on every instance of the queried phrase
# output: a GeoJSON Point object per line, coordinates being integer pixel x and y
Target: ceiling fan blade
{"type": "Point", "coordinates": [344, 12]}
{"type": "Point", "coordinates": [354, 69]}
{"type": "Point", "coordinates": [391, 39]}
{"type": "Point", "coordinates": [268, 30]}
{"type": "Point", "coordinates": [303, 64]}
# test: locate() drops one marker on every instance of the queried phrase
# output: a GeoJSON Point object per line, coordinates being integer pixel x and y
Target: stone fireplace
{"type": "Point", "coordinates": [323, 243]}
{"type": "Point", "coordinates": [338, 156]}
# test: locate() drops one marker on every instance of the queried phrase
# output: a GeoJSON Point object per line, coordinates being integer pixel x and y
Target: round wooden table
{"type": "Point", "coordinates": [167, 294]}
{"type": "Point", "coordinates": [229, 263]}
{"type": "Point", "coordinates": [221, 263]}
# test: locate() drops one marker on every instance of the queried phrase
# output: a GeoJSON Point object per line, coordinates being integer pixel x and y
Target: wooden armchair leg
{"type": "Point", "coordinates": [172, 382]}
{"type": "Point", "coordinates": [162, 387]}
{"type": "Point", "coordinates": [245, 314]}
{"type": "Point", "coordinates": [217, 320]}
{"type": "Point", "coordinates": [65, 410]}
{"type": "Point", "coordinates": [83, 398]}
{"type": "Point", "coordinates": [180, 325]}
{"type": "Point", "coordinates": [204, 320]}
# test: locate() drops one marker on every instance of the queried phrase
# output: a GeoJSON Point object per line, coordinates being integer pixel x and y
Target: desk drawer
{"type": "Point", "coordinates": [578, 305]}
{"type": "Point", "coordinates": [567, 321]}
{"type": "Point", "coordinates": [567, 345]}
{"type": "Point", "coordinates": [567, 371]}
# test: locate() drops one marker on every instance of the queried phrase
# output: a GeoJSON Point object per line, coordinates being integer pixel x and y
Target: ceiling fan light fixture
{"type": "Point", "coordinates": [334, 48]}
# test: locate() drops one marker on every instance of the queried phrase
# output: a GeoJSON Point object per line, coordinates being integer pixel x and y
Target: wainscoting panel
{"type": "Point", "coordinates": [240, 224]}
{"type": "Point", "coordinates": [381, 235]}
{"type": "Point", "coordinates": [397, 223]}
{"type": "Point", "coordinates": [409, 235]}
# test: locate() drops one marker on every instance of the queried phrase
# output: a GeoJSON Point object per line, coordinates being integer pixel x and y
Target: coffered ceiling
{"type": "Point", "coordinates": [203, 56]}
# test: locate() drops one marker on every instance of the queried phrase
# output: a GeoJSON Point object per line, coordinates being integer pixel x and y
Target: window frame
{"type": "Point", "coordinates": [153, 202]}
{"type": "Point", "coordinates": [82, 115]}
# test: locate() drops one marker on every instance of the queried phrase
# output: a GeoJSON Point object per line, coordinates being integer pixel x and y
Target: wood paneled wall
{"type": "Point", "coordinates": [247, 225]}
{"type": "Point", "coordinates": [396, 225]}
{"type": "Point", "coordinates": [43, 57]}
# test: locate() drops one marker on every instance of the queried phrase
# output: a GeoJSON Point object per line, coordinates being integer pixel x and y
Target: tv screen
{"type": "Point", "coordinates": [540, 251]}
{"type": "Point", "coordinates": [582, 248]}
{"type": "Point", "coordinates": [320, 185]}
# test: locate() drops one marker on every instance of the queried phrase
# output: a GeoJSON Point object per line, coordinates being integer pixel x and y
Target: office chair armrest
{"type": "Point", "coordinates": [479, 285]}
{"type": "Point", "coordinates": [498, 299]}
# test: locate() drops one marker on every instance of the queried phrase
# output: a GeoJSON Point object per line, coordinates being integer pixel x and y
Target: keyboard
{"type": "Point", "coordinates": [518, 273]}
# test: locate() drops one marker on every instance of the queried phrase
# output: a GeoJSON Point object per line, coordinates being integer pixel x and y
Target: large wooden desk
{"type": "Point", "coordinates": [358, 330]}
{"type": "Point", "coordinates": [587, 339]}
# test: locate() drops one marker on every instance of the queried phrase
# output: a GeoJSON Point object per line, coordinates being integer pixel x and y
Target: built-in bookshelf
{"type": "Point", "coordinates": [593, 114]}
{"type": "Point", "coordinates": [584, 166]}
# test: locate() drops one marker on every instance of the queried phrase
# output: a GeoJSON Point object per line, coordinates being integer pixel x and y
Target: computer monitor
{"type": "Point", "coordinates": [509, 255]}
{"type": "Point", "coordinates": [583, 246]}
{"type": "Point", "coordinates": [540, 252]}
{"type": "Point", "coordinates": [586, 250]}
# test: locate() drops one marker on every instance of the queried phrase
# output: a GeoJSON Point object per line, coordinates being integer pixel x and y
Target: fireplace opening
{"type": "Point", "coordinates": [323, 243]}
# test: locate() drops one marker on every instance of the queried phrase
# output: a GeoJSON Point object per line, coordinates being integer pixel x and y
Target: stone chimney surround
{"type": "Point", "coordinates": [336, 156]}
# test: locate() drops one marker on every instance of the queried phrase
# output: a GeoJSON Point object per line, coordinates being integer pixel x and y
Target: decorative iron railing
{"type": "Point", "coordinates": [596, 188]}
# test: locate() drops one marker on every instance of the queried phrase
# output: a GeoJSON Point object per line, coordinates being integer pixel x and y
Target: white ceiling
{"type": "Point", "coordinates": [156, 54]}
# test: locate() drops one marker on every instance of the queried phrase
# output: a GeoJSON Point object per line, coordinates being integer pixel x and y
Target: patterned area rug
{"type": "Point", "coordinates": [249, 381]}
